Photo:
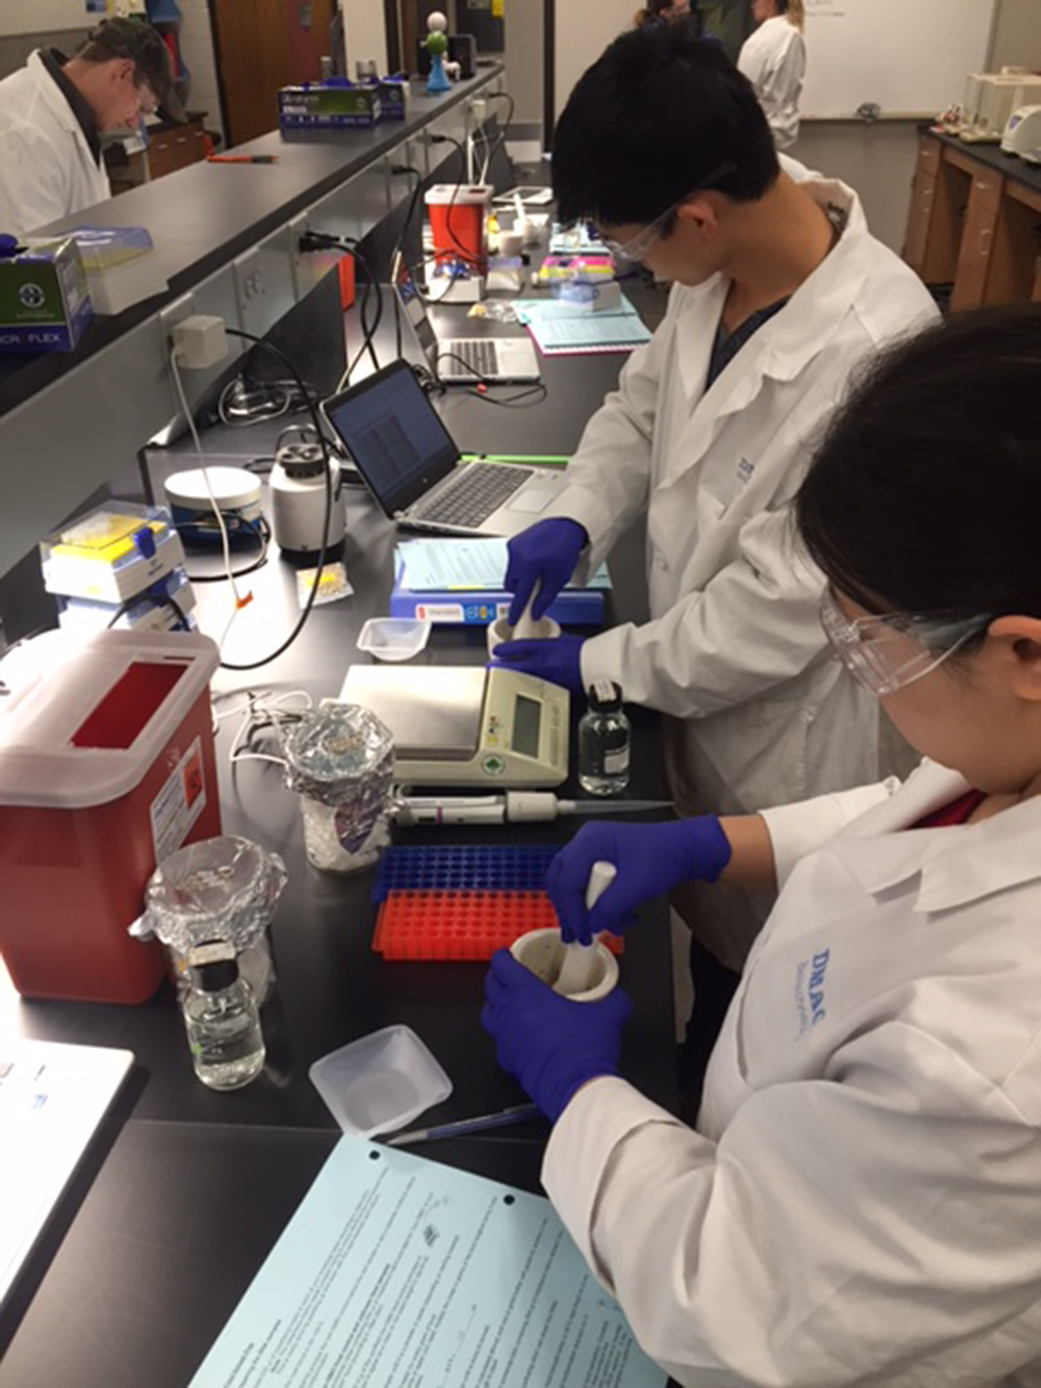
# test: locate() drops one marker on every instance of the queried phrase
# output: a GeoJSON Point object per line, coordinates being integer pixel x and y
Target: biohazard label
{"type": "Point", "coordinates": [179, 804]}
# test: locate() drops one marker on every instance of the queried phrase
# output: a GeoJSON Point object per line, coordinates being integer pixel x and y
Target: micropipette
{"type": "Point", "coordinates": [515, 807]}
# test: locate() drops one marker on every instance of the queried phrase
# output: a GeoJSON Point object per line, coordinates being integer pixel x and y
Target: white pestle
{"type": "Point", "coordinates": [579, 966]}
{"type": "Point", "coordinates": [526, 627]}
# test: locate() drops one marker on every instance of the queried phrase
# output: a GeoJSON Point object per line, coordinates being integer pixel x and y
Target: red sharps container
{"type": "Point", "coordinates": [106, 767]}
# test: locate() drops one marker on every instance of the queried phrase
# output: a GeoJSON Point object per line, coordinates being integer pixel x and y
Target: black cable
{"type": "Point", "coordinates": [538, 389]}
{"type": "Point", "coordinates": [467, 255]}
{"type": "Point", "coordinates": [500, 139]}
{"type": "Point", "coordinates": [258, 531]}
{"type": "Point", "coordinates": [164, 601]}
{"type": "Point", "coordinates": [327, 459]}
{"type": "Point", "coordinates": [312, 240]}
{"type": "Point", "coordinates": [398, 244]}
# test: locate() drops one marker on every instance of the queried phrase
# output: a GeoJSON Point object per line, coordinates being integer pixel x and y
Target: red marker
{"type": "Point", "coordinates": [242, 159]}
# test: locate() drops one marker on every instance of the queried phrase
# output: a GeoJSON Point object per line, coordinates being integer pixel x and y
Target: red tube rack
{"type": "Point", "coordinates": [460, 925]}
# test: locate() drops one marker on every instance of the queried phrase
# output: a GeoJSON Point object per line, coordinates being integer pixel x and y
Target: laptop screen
{"type": "Point", "coordinates": [394, 436]}
{"type": "Point", "coordinates": [414, 309]}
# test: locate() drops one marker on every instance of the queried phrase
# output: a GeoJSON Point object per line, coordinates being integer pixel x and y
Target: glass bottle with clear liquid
{"type": "Point", "coordinates": [222, 1021]}
{"type": "Point", "coordinates": [603, 741]}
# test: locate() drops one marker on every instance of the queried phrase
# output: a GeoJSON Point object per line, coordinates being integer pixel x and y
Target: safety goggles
{"type": "Point", "coordinates": [886, 652]}
{"type": "Point", "coordinates": [637, 246]}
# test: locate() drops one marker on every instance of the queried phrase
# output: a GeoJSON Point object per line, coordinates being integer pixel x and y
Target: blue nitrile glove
{"type": "Point", "coordinates": [558, 660]}
{"type": "Point", "coordinates": [651, 859]}
{"type": "Point", "coordinates": [551, 1045]}
{"type": "Point", "coordinates": [546, 553]}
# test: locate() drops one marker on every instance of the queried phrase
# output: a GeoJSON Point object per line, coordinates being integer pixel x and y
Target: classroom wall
{"type": "Point", "coordinates": [196, 40]}
{"type": "Point", "coordinates": [1017, 34]}
{"type": "Point", "coordinates": [366, 32]}
{"type": "Point", "coordinates": [584, 29]}
{"type": "Point", "coordinates": [525, 49]}
{"type": "Point", "coordinates": [42, 16]}
{"type": "Point", "coordinates": [877, 161]}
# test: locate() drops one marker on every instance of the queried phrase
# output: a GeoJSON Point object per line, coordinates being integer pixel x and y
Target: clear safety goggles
{"type": "Point", "coordinates": [886, 652]}
{"type": "Point", "coordinates": [637, 246]}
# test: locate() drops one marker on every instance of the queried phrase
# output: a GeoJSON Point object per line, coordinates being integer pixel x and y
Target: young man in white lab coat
{"type": "Point", "coordinates": [54, 112]}
{"type": "Point", "coordinates": [780, 293]}
{"type": "Point", "coordinates": [773, 59]}
{"type": "Point", "coordinates": [858, 1202]}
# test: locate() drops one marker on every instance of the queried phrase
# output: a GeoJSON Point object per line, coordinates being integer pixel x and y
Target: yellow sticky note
{"type": "Point", "coordinates": [497, 9]}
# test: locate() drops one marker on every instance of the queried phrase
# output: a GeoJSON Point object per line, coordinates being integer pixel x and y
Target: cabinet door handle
{"type": "Point", "coordinates": [984, 242]}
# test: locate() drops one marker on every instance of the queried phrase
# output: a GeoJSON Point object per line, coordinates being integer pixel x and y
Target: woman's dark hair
{"type": "Point", "coordinates": [925, 493]}
{"type": "Point", "coordinates": [656, 11]}
{"type": "Point", "coordinates": [655, 117]}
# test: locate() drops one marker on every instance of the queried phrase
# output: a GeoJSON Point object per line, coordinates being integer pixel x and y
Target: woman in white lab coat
{"type": "Point", "coordinates": [773, 58]}
{"type": "Point", "coordinates": [860, 1199]}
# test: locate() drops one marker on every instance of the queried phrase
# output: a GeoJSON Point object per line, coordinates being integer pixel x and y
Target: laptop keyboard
{"type": "Point", "coordinates": [481, 489]}
{"type": "Point", "coordinates": [478, 358]}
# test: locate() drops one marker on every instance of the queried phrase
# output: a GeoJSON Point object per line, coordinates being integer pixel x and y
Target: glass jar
{"type": "Point", "coordinates": [603, 741]}
{"type": "Point", "coordinates": [340, 760]}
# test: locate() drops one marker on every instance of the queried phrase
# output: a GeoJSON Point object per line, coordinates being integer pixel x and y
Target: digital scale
{"type": "Point", "coordinates": [465, 725]}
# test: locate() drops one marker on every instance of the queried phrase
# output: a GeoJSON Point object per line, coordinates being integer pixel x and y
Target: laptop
{"type": "Point", "coordinates": [411, 465]}
{"type": "Point", "coordinates": [455, 360]}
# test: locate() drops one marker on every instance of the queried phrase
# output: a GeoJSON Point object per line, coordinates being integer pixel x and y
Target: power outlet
{"type": "Point", "coordinates": [302, 279]}
{"type": "Point", "coordinates": [174, 313]}
{"type": "Point", "coordinates": [250, 285]}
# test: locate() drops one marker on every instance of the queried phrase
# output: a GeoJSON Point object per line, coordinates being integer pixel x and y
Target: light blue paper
{"type": "Point", "coordinates": [397, 1272]}
{"type": "Point", "coordinates": [434, 565]}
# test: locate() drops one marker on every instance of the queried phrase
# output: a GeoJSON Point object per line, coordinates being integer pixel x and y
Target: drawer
{"type": "Point", "coordinates": [928, 156]}
{"type": "Point", "coordinates": [986, 186]}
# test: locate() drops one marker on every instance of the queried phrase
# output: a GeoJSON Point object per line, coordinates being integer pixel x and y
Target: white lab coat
{"type": "Point", "coordinates": [773, 58]}
{"type": "Point", "coordinates": [861, 1200]}
{"type": "Point", "coordinates": [47, 170]}
{"type": "Point", "coordinates": [734, 646]}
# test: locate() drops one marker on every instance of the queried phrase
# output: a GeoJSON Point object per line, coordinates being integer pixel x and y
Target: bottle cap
{"type": "Point", "coordinates": [605, 696]}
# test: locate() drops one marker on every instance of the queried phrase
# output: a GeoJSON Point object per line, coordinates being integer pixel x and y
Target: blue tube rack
{"type": "Point", "coordinates": [463, 868]}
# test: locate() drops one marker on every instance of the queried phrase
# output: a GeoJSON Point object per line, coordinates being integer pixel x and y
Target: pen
{"type": "Point", "coordinates": [242, 159]}
{"type": "Point", "coordinates": [520, 1113]}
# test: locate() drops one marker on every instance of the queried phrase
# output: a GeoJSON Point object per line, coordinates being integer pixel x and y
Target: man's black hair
{"type": "Point", "coordinates": [653, 119]}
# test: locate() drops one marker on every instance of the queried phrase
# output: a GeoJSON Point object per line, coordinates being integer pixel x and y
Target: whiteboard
{"type": "Point", "coordinates": [910, 57]}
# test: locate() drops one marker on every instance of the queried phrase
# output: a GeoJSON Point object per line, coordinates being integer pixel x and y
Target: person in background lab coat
{"type": "Point", "coordinates": [54, 111]}
{"type": "Point", "coordinates": [773, 58]}
{"type": "Point", "coordinates": [780, 292]}
{"type": "Point", "coordinates": [859, 1201]}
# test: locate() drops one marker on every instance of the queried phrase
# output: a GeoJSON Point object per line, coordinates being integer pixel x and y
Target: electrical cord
{"type": "Point", "coordinates": [466, 255]}
{"type": "Point", "coordinates": [164, 601]}
{"type": "Point", "coordinates": [500, 139]}
{"type": "Point", "coordinates": [315, 240]}
{"type": "Point", "coordinates": [262, 712]}
{"type": "Point", "coordinates": [520, 400]}
{"type": "Point", "coordinates": [258, 530]}
{"type": "Point", "coordinates": [244, 402]}
{"type": "Point", "coordinates": [238, 600]}
{"type": "Point", "coordinates": [327, 459]}
{"type": "Point", "coordinates": [396, 255]}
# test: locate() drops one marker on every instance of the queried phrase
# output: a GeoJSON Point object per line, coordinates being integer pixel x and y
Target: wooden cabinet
{"type": "Point", "coordinates": [176, 146]}
{"type": "Point", "coordinates": [975, 224]}
{"type": "Point", "coordinates": [977, 239]}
